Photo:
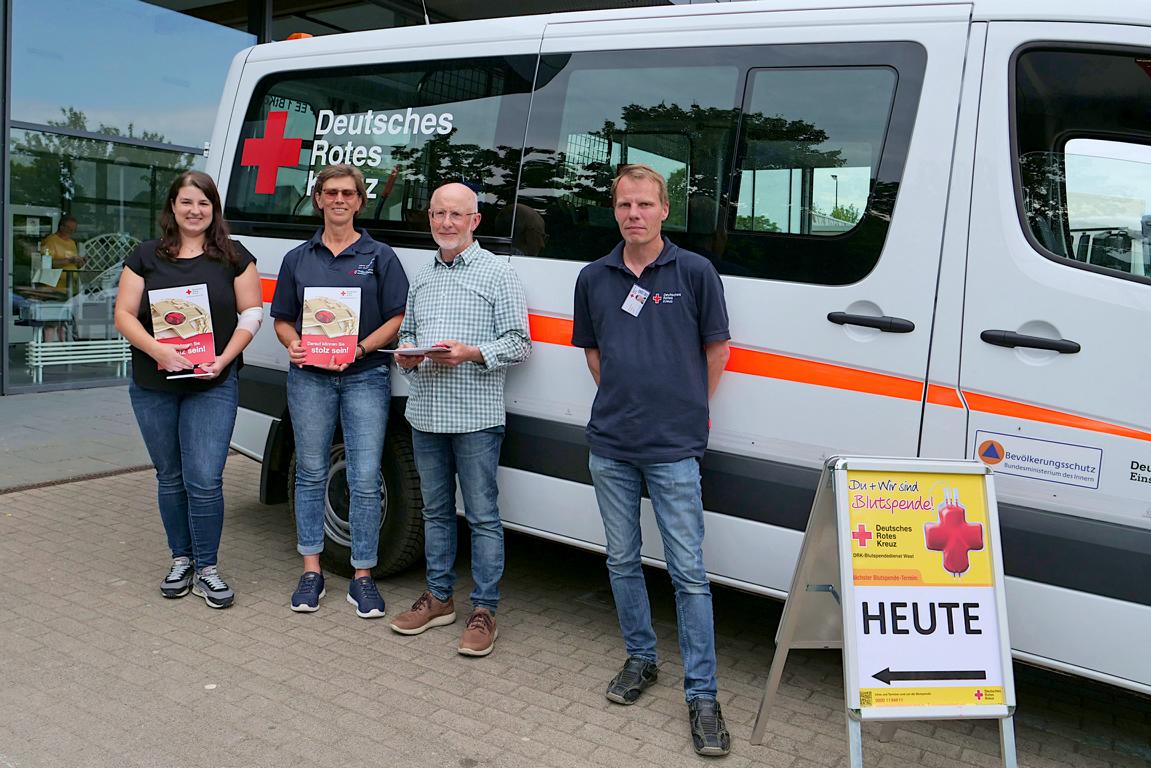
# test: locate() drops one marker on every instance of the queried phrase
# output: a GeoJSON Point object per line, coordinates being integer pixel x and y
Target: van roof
{"type": "Point", "coordinates": [1130, 12]}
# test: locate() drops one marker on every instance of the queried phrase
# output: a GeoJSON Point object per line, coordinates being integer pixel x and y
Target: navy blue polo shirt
{"type": "Point", "coordinates": [652, 401]}
{"type": "Point", "coordinates": [366, 264]}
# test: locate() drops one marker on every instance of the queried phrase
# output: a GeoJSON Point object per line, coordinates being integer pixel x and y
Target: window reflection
{"type": "Point", "coordinates": [810, 158]}
{"type": "Point", "coordinates": [64, 273]}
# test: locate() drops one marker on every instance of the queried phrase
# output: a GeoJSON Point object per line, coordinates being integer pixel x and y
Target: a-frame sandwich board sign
{"type": "Point", "coordinates": [901, 569]}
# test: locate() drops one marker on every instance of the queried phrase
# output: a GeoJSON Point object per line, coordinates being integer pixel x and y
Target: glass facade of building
{"type": "Point", "coordinates": [104, 102]}
{"type": "Point", "coordinates": [107, 100]}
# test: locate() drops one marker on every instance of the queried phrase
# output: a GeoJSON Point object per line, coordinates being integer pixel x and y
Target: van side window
{"type": "Point", "coordinates": [811, 145]}
{"type": "Point", "coordinates": [409, 127]}
{"type": "Point", "coordinates": [782, 162]}
{"type": "Point", "coordinates": [1084, 157]}
{"type": "Point", "coordinates": [673, 110]}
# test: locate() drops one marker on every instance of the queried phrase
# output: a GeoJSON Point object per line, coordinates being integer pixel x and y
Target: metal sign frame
{"type": "Point", "coordinates": [819, 609]}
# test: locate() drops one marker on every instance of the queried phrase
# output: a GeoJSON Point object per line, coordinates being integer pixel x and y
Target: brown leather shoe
{"type": "Point", "coordinates": [425, 613]}
{"type": "Point", "coordinates": [479, 636]}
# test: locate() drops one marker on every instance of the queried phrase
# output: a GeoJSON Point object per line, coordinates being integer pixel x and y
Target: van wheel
{"type": "Point", "coordinates": [402, 525]}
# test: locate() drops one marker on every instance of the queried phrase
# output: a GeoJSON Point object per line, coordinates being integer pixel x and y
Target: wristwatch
{"type": "Point", "coordinates": [363, 352]}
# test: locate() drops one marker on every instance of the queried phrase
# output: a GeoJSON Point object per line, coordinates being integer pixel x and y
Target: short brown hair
{"type": "Point", "coordinates": [338, 172]}
{"type": "Point", "coordinates": [640, 171]}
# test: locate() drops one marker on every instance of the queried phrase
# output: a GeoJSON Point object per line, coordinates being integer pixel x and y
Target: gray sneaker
{"type": "Point", "coordinates": [215, 591]}
{"type": "Point", "coordinates": [179, 578]}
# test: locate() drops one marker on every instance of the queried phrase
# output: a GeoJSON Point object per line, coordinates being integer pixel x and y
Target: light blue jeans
{"type": "Point", "coordinates": [678, 503]}
{"type": "Point", "coordinates": [360, 403]}
{"type": "Point", "coordinates": [187, 438]}
{"type": "Point", "coordinates": [474, 457]}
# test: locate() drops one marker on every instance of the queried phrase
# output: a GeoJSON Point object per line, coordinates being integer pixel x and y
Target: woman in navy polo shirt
{"type": "Point", "coordinates": [323, 392]}
{"type": "Point", "coordinates": [186, 408]}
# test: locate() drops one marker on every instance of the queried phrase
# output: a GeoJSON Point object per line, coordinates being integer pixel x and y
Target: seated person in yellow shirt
{"type": "Point", "coordinates": [66, 257]}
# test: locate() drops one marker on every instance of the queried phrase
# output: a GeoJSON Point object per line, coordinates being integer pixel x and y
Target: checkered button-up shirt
{"type": "Point", "coordinates": [478, 300]}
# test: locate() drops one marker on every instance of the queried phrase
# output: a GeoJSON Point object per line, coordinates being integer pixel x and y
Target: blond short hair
{"type": "Point", "coordinates": [339, 171]}
{"type": "Point", "coordinates": [640, 171]}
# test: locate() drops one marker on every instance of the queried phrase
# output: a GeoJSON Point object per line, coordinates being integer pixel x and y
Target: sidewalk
{"type": "Point", "coordinates": [53, 436]}
{"type": "Point", "coordinates": [97, 670]}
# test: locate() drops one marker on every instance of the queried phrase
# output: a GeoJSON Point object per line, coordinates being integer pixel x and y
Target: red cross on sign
{"type": "Point", "coordinates": [862, 535]}
{"type": "Point", "coordinates": [271, 153]}
{"type": "Point", "coordinates": [954, 537]}
{"type": "Point", "coordinates": [979, 695]}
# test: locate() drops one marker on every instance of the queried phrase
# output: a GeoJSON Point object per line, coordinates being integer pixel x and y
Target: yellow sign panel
{"type": "Point", "coordinates": [911, 529]}
{"type": "Point", "coordinates": [923, 598]}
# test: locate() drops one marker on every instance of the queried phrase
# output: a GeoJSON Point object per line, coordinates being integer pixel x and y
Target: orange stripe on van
{"type": "Point", "coordinates": [772, 366]}
{"type": "Point", "coordinates": [940, 395]}
{"type": "Point", "coordinates": [545, 329]}
{"type": "Point", "coordinates": [1016, 410]}
{"type": "Point", "coordinates": [550, 330]}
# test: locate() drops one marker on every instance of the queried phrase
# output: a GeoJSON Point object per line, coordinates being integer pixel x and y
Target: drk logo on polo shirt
{"type": "Point", "coordinates": [364, 269]}
{"type": "Point", "coordinates": [665, 298]}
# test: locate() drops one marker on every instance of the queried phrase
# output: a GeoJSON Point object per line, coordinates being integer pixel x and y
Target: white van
{"type": "Point", "coordinates": [931, 219]}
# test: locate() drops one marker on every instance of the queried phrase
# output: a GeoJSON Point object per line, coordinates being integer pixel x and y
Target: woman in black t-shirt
{"type": "Point", "coordinates": [177, 306]}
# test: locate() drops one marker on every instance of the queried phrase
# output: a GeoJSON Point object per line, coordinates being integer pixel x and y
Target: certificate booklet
{"type": "Point", "coordinates": [182, 315]}
{"type": "Point", "coordinates": [331, 325]}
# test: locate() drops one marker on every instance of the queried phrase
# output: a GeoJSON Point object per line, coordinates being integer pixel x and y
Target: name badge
{"type": "Point", "coordinates": [635, 300]}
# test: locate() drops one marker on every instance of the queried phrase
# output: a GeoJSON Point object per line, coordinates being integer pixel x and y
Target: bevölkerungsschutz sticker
{"type": "Point", "coordinates": [1046, 460]}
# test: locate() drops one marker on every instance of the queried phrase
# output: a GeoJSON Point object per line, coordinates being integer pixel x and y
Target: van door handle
{"type": "Point", "coordinates": [884, 323]}
{"type": "Point", "coordinates": [1013, 339]}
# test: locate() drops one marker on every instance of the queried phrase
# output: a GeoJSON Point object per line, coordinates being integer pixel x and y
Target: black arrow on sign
{"type": "Point", "coordinates": [888, 674]}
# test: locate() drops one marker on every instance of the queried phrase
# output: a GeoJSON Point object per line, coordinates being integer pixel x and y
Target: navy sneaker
{"type": "Point", "coordinates": [363, 594]}
{"type": "Point", "coordinates": [178, 582]}
{"type": "Point", "coordinates": [306, 598]}
{"type": "Point", "coordinates": [215, 591]}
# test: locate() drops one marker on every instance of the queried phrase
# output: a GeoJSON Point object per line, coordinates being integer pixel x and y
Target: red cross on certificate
{"type": "Point", "coordinates": [271, 153]}
{"type": "Point", "coordinates": [862, 535]}
{"type": "Point", "coordinates": [954, 537]}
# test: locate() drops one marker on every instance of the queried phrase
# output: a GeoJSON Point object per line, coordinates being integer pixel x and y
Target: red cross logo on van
{"type": "Point", "coordinates": [271, 153]}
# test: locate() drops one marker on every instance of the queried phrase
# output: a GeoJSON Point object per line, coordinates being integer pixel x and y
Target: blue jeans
{"type": "Point", "coordinates": [359, 402]}
{"type": "Point", "coordinates": [474, 457]}
{"type": "Point", "coordinates": [187, 438]}
{"type": "Point", "coordinates": [678, 503]}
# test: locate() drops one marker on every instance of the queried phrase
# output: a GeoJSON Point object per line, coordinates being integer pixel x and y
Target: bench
{"type": "Point", "coordinates": [41, 353]}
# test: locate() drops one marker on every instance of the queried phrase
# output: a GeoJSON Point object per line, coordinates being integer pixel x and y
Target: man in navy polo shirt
{"type": "Point", "coordinates": [652, 321]}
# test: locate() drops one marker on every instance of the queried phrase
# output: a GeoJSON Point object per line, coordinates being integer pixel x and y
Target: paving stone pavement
{"type": "Point", "coordinates": [52, 436]}
{"type": "Point", "coordinates": [96, 669]}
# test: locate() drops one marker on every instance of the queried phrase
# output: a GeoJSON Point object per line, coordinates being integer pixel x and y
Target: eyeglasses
{"type": "Point", "coordinates": [454, 217]}
{"type": "Point", "coordinates": [347, 194]}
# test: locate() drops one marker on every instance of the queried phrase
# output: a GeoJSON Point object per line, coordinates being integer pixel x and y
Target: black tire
{"type": "Point", "coordinates": [402, 527]}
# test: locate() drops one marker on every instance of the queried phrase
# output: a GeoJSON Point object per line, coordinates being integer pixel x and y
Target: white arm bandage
{"type": "Point", "coordinates": [250, 319]}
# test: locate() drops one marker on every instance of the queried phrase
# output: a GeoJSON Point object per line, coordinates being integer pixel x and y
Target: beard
{"type": "Point", "coordinates": [451, 242]}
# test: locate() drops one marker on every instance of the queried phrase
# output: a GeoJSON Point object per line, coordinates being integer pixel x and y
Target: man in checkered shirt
{"type": "Point", "coordinates": [470, 305]}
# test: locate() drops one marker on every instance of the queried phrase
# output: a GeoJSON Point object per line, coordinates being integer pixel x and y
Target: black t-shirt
{"type": "Point", "coordinates": [159, 272]}
{"type": "Point", "coordinates": [367, 264]}
{"type": "Point", "coordinates": [651, 406]}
